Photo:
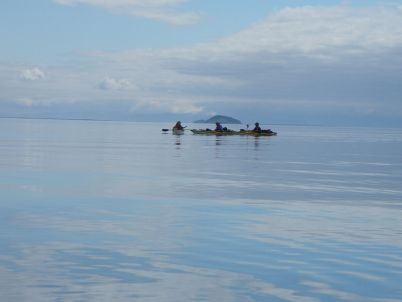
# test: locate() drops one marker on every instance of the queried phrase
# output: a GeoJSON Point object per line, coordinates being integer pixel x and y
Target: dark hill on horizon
{"type": "Point", "coordinates": [219, 118]}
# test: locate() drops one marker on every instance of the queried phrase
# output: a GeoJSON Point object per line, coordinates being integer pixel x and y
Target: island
{"type": "Point", "coordinates": [219, 118]}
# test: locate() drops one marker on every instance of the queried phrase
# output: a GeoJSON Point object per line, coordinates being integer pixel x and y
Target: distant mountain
{"type": "Point", "coordinates": [219, 118]}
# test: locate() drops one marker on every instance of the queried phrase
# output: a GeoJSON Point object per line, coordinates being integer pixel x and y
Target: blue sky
{"type": "Point", "coordinates": [318, 62]}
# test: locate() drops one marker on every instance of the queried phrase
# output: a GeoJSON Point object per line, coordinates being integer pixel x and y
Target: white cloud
{"type": "Point", "coordinates": [170, 17]}
{"type": "Point", "coordinates": [25, 102]}
{"type": "Point", "coordinates": [114, 84]}
{"type": "Point", "coordinates": [161, 10]}
{"type": "Point", "coordinates": [32, 74]}
{"type": "Point", "coordinates": [148, 105]}
{"type": "Point", "coordinates": [300, 59]}
{"type": "Point", "coordinates": [166, 105]}
{"type": "Point", "coordinates": [122, 3]}
{"type": "Point", "coordinates": [321, 30]}
{"type": "Point", "coordinates": [322, 34]}
{"type": "Point", "coordinates": [186, 107]}
{"type": "Point", "coordinates": [298, 55]}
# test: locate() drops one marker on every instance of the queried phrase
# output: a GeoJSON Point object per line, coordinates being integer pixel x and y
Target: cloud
{"type": "Point", "coordinates": [114, 84]}
{"type": "Point", "coordinates": [32, 74]}
{"type": "Point", "coordinates": [300, 54]}
{"type": "Point", "coordinates": [171, 17]}
{"type": "Point", "coordinates": [297, 55]}
{"type": "Point", "coordinates": [322, 30]}
{"type": "Point", "coordinates": [166, 105]}
{"type": "Point", "coordinates": [25, 102]}
{"type": "Point", "coordinates": [160, 10]}
{"type": "Point", "coordinates": [186, 107]}
{"type": "Point", "coordinates": [122, 3]}
{"type": "Point", "coordinates": [325, 34]}
{"type": "Point", "coordinates": [298, 61]}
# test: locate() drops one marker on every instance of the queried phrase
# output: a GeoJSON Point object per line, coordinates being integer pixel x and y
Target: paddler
{"type": "Point", "coordinates": [257, 128]}
{"type": "Point", "coordinates": [218, 127]}
{"type": "Point", "coordinates": [178, 126]}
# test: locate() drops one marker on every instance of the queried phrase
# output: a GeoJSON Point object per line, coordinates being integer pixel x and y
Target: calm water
{"type": "Point", "coordinates": [116, 211]}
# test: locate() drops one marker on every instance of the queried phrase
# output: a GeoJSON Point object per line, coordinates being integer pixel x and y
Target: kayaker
{"type": "Point", "coordinates": [178, 126]}
{"type": "Point", "coordinates": [257, 128]}
{"type": "Point", "coordinates": [218, 127]}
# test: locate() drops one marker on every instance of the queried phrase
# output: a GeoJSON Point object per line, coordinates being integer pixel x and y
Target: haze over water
{"type": "Point", "coordinates": [118, 211]}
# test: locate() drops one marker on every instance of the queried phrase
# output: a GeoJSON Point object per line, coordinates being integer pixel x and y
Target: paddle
{"type": "Point", "coordinates": [166, 130]}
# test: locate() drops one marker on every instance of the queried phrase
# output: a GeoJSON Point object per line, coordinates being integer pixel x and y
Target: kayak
{"type": "Point", "coordinates": [232, 132]}
{"type": "Point", "coordinates": [177, 131]}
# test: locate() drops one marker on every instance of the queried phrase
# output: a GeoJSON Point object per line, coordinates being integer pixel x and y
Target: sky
{"type": "Point", "coordinates": [274, 61]}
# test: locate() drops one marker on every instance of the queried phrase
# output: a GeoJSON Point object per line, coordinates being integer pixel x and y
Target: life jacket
{"type": "Point", "coordinates": [219, 128]}
{"type": "Point", "coordinates": [178, 127]}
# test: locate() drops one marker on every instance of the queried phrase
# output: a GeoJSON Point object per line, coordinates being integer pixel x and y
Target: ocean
{"type": "Point", "coordinates": [120, 211]}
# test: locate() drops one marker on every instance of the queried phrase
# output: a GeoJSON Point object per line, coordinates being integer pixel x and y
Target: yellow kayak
{"type": "Point", "coordinates": [232, 132]}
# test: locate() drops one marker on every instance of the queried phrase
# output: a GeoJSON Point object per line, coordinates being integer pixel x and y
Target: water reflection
{"type": "Point", "coordinates": [208, 251]}
{"type": "Point", "coordinates": [178, 141]}
{"type": "Point", "coordinates": [256, 142]}
{"type": "Point", "coordinates": [102, 211]}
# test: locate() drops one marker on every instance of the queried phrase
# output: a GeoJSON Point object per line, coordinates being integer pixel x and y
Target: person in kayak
{"type": "Point", "coordinates": [257, 128]}
{"type": "Point", "coordinates": [178, 126]}
{"type": "Point", "coordinates": [218, 127]}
